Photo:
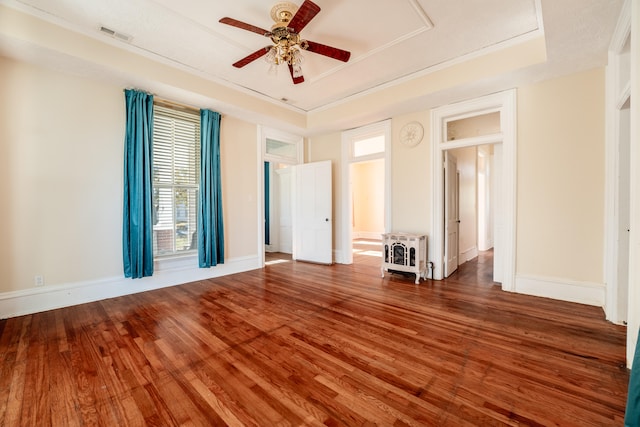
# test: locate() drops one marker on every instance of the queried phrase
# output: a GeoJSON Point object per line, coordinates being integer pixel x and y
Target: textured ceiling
{"type": "Point", "coordinates": [388, 40]}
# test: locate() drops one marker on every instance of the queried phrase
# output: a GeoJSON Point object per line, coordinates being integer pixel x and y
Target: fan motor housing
{"type": "Point", "coordinates": [283, 12]}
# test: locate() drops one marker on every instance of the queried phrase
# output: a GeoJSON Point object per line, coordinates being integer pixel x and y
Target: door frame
{"type": "Point", "coordinates": [344, 229]}
{"type": "Point", "coordinates": [627, 28]}
{"type": "Point", "coordinates": [617, 93]}
{"type": "Point", "coordinates": [263, 134]}
{"type": "Point", "coordinates": [451, 201]}
{"type": "Point", "coordinates": [505, 235]}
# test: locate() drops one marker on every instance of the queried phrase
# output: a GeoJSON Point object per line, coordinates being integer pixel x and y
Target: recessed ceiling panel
{"type": "Point", "coordinates": [388, 40]}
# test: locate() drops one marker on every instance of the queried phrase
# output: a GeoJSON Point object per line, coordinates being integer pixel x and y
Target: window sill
{"type": "Point", "coordinates": [176, 261]}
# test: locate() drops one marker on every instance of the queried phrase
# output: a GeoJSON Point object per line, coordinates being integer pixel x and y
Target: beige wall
{"type": "Point", "coordinates": [368, 197]}
{"type": "Point", "coordinates": [239, 160]}
{"type": "Point", "coordinates": [560, 198]}
{"type": "Point", "coordinates": [561, 178]}
{"type": "Point", "coordinates": [141, 71]}
{"type": "Point", "coordinates": [61, 166]}
{"type": "Point", "coordinates": [490, 65]}
{"type": "Point", "coordinates": [61, 192]}
{"type": "Point", "coordinates": [411, 178]}
{"type": "Point", "coordinates": [61, 147]}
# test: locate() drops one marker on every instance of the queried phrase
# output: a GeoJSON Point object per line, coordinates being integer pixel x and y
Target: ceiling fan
{"type": "Point", "coordinates": [285, 35]}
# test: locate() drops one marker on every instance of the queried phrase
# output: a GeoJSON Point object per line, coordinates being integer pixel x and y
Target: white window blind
{"type": "Point", "coordinates": [176, 179]}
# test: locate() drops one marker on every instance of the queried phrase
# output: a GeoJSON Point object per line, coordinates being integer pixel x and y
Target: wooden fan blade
{"type": "Point", "coordinates": [306, 12]}
{"type": "Point", "coordinates": [245, 26]}
{"type": "Point", "coordinates": [332, 52]}
{"type": "Point", "coordinates": [250, 58]}
{"type": "Point", "coordinates": [296, 80]}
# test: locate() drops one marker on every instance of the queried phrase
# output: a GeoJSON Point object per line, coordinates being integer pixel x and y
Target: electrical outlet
{"type": "Point", "coordinates": [38, 280]}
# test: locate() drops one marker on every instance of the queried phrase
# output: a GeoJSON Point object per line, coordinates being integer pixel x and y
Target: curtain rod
{"type": "Point", "coordinates": [179, 106]}
{"type": "Point", "coordinates": [176, 105]}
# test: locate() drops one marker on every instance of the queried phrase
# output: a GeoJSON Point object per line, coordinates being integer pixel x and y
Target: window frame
{"type": "Point", "coordinates": [185, 118]}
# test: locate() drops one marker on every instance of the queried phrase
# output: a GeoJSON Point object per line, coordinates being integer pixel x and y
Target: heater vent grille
{"type": "Point", "coordinates": [115, 34]}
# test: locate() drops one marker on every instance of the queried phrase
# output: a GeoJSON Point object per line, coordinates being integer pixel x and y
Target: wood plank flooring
{"type": "Point", "coordinates": [305, 344]}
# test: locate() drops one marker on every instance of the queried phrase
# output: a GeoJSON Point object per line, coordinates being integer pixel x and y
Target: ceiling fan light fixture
{"type": "Point", "coordinates": [287, 46]}
{"type": "Point", "coordinates": [287, 51]}
{"type": "Point", "coordinates": [286, 42]}
{"type": "Point", "coordinates": [296, 60]}
{"type": "Point", "coordinates": [272, 56]}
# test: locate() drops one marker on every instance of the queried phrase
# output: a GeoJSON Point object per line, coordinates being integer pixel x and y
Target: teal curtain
{"type": "Point", "coordinates": [210, 225]}
{"type": "Point", "coordinates": [632, 415]}
{"type": "Point", "coordinates": [137, 222]}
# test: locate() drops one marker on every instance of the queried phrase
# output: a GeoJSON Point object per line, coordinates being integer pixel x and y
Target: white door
{"type": "Point", "coordinates": [624, 212]}
{"type": "Point", "coordinates": [451, 216]}
{"type": "Point", "coordinates": [312, 213]}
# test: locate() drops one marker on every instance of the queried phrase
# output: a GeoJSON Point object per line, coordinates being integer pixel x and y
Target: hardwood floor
{"type": "Point", "coordinates": [304, 344]}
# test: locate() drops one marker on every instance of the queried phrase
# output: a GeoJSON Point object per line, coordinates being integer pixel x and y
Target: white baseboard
{"type": "Point", "coordinates": [467, 255]}
{"type": "Point", "coordinates": [168, 272]}
{"type": "Point", "coordinates": [562, 289]}
{"type": "Point", "coordinates": [374, 235]}
{"type": "Point", "coordinates": [281, 249]}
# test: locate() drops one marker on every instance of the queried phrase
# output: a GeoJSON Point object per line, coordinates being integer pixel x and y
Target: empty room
{"type": "Point", "coordinates": [342, 213]}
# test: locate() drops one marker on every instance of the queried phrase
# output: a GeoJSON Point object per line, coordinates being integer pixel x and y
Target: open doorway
{"type": "Point", "coordinates": [278, 235]}
{"type": "Point", "coordinates": [446, 137]}
{"type": "Point", "coordinates": [365, 214]}
{"type": "Point", "coordinates": [469, 208]}
{"type": "Point", "coordinates": [367, 226]}
{"type": "Point", "coordinates": [280, 151]}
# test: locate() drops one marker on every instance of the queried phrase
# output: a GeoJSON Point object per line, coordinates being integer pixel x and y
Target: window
{"type": "Point", "coordinates": [472, 126]}
{"type": "Point", "coordinates": [368, 146]}
{"type": "Point", "coordinates": [281, 149]}
{"type": "Point", "coordinates": [176, 179]}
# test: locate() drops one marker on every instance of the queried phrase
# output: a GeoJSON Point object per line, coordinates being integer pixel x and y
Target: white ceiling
{"type": "Point", "coordinates": [388, 40]}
